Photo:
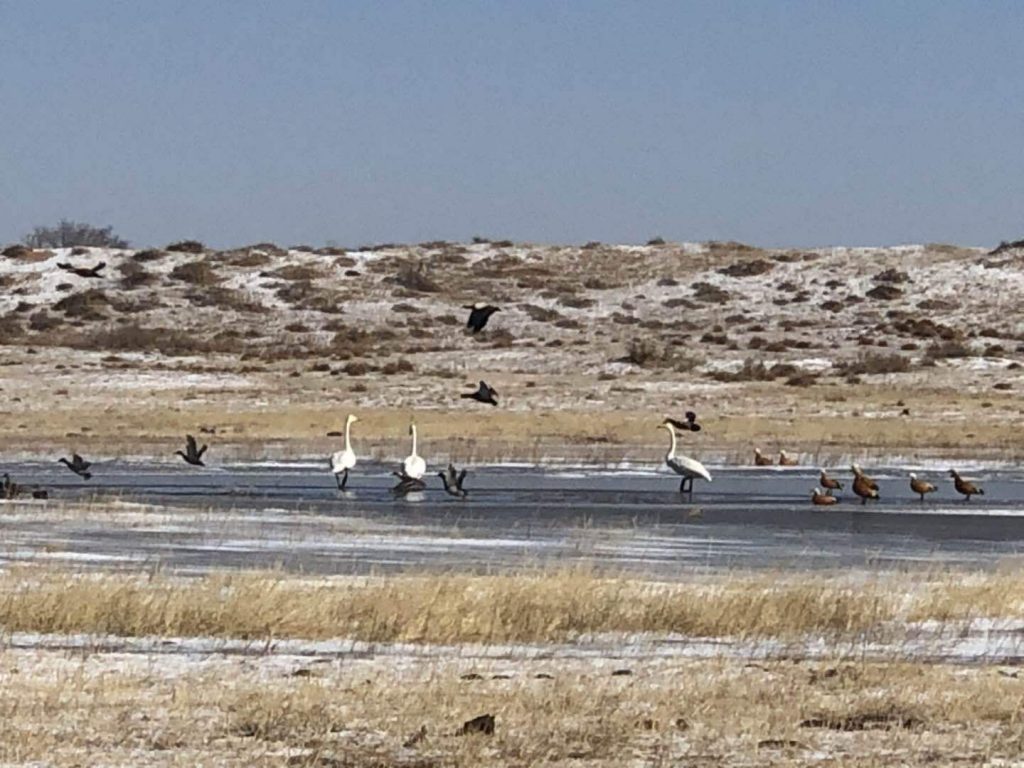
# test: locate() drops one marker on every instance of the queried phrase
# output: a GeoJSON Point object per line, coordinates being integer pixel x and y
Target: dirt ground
{"type": "Point", "coordinates": [74, 708]}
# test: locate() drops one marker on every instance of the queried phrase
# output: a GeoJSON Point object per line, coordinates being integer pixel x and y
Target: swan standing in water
{"type": "Point", "coordinates": [683, 465]}
{"type": "Point", "coordinates": [414, 466]}
{"type": "Point", "coordinates": [344, 460]}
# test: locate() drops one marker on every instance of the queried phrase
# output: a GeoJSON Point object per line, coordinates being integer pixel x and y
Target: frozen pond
{"type": "Point", "coordinates": [291, 515]}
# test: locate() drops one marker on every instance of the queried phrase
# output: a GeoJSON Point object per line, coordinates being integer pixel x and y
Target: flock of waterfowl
{"type": "Point", "coordinates": [867, 488]}
{"type": "Point", "coordinates": [414, 467]}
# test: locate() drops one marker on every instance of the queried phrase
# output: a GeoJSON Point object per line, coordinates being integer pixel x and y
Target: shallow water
{"type": "Point", "coordinates": [291, 515]}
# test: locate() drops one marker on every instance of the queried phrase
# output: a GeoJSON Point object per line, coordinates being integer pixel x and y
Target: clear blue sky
{"type": "Point", "coordinates": [775, 123]}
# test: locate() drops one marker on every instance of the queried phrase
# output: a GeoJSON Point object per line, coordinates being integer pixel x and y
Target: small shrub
{"type": "Point", "coordinates": [884, 292]}
{"type": "Point", "coordinates": [186, 246]}
{"type": "Point", "coordinates": [656, 241]}
{"type": "Point", "coordinates": [645, 352]}
{"type": "Point", "coordinates": [134, 275]}
{"type": "Point", "coordinates": [802, 379]}
{"type": "Point", "coordinates": [415, 278]}
{"type": "Point", "coordinates": [43, 321]}
{"type": "Point", "coordinates": [709, 294]}
{"type": "Point", "coordinates": [891, 275]}
{"type": "Point", "coordinates": [197, 272]}
{"type": "Point", "coordinates": [541, 314]}
{"type": "Point", "coordinates": [67, 234]}
{"type": "Point", "coordinates": [873, 363]}
{"type": "Point", "coordinates": [747, 268]}
{"type": "Point", "coordinates": [948, 348]}
{"type": "Point", "coordinates": [401, 365]}
{"type": "Point", "coordinates": [86, 305]}
{"type": "Point", "coordinates": [575, 302]}
{"type": "Point", "coordinates": [294, 272]}
{"type": "Point", "coordinates": [150, 254]}
{"type": "Point", "coordinates": [679, 301]}
{"type": "Point", "coordinates": [356, 368]}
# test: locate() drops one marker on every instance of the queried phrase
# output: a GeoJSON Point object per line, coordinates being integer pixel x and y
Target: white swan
{"type": "Point", "coordinates": [343, 461]}
{"type": "Point", "coordinates": [683, 465]}
{"type": "Point", "coordinates": [414, 466]}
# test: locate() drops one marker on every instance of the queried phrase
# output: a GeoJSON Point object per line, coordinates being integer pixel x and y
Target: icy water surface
{"type": "Point", "coordinates": [291, 515]}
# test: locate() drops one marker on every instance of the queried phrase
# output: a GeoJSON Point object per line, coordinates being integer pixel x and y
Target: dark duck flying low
{"type": "Point", "coordinates": [689, 425]}
{"type": "Point", "coordinates": [83, 271]}
{"type": "Point", "coordinates": [191, 454]}
{"type": "Point", "coordinates": [453, 482]}
{"type": "Point", "coordinates": [407, 484]}
{"type": "Point", "coordinates": [479, 314]}
{"type": "Point", "coordinates": [484, 394]}
{"type": "Point", "coordinates": [78, 465]}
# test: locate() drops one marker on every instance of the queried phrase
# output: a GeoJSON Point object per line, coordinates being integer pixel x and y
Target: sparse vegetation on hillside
{"type": "Point", "coordinates": [67, 233]}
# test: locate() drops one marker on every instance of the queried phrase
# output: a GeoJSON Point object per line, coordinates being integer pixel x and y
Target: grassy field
{"type": "Point", "coordinates": [406, 704]}
{"type": "Point", "coordinates": [864, 421]}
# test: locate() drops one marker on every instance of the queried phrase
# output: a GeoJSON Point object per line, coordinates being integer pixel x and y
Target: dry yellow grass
{"type": "Point", "coordinates": [299, 421]}
{"type": "Point", "coordinates": [541, 606]}
{"type": "Point", "coordinates": [83, 710]}
{"type": "Point", "coordinates": [405, 707]}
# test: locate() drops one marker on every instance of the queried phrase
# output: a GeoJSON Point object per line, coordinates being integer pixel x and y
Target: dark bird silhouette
{"type": "Point", "coordinates": [83, 271]}
{"type": "Point", "coordinates": [690, 425]}
{"type": "Point", "coordinates": [966, 487]}
{"type": "Point", "coordinates": [453, 482]}
{"type": "Point", "coordinates": [479, 314]}
{"type": "Point", "coordinates": [8, 488]}
{"type": "Point", "coordinates": [78, 465]}
{"type": "Point", "coordinates": [484, 394]}
{"type": "Point", "coordinates": [190, 454]}
{"type": "Point", "coordinates": [407, 484]}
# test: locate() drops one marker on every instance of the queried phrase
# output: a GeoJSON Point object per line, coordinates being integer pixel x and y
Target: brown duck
{"type": "Point", "coordinates": [863, 485]}
{"type": "Point", "coordinates": [760, 460]}
{"type": "Point", "coordinates": [966, 487]}
{"type": "Point", "coordinates": [829, 483]}
{"type": "Point", "coordinates": [822, 499]}
{"type": "Point", "coordinates": [920, 487]}
{"type": "Point", "coordinates": [786, 460]}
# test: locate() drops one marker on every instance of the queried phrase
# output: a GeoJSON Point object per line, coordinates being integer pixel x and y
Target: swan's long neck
{"type": "Point", "coordinates": [672, 436]}
{"type": "Point", "coordinates": [413, 430]}
{"type": "Point", "coordinates": [348, 428]}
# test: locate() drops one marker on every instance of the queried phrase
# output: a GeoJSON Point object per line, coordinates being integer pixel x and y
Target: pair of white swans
{"type": "Point", "coordinates": [342, 461]}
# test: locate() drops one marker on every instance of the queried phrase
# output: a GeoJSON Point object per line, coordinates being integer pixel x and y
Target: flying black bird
{"type": "Point", "coordinates": [78, 465]}
{"type": "Point", "coordinates": [479, 314]}
{"type": "Point", "coordinates": [8, 488]}
{"type": "Point", "coordinates": [690, 425]}
{"type": "Point", "coordinates": [483, 394]}
{"type": "Point", "coordinates": [453, 482]}
{"type": "Point", "coordinates": [190, 454]}
{"type": "Point", "coordinates": [407, 484]}
{"type": "Point", "coordinates": [83, 271]}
